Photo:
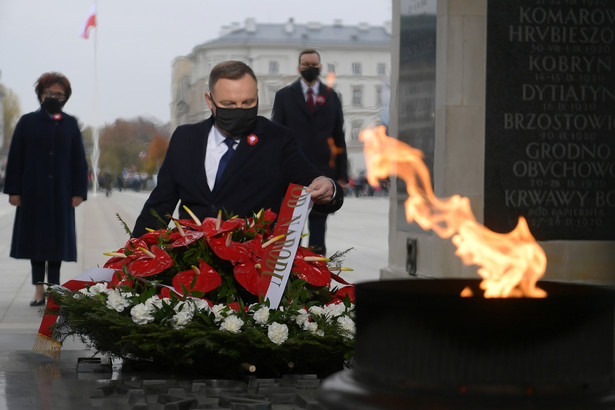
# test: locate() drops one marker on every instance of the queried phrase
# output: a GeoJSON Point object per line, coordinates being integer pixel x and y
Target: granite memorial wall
{"type": "Point", "coordinates": [550, 118]}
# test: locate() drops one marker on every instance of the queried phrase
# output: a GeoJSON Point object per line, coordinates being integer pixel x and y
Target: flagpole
{"type": "Point", "coordinates": [95, 148]}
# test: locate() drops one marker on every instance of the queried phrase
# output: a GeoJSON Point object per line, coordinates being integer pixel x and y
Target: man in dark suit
{"type": "Point", "coordinates": [314, 112]}
{"type": "Point", "coordinates": [264, 159]}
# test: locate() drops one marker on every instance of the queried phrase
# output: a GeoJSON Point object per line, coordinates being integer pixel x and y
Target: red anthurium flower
{"type": "Point", "coordinates": [249, 275]}
{"type": "Point", "coordinates": [125, 255]}
{"type": "Point", "coordinates": [185, 240]}
{"type": "Point", "coordinates": [164, 293]}
{"type": "Point", "coordinates": [255, 246]}
{"type": "Point", "coordinates": [314, 272]}
{"type": "Point", "coordinates": [235, 306]}
{"type": "Point", "coordinates": [214, 226]}
{"type": "Point", "coordinates": [117, 261]}
{"type": "Point", "coordinates": [346, 291]}
{"type": "Point", "coordinates": [232, 224]}
{"type": "Point", "coordinates": [151, 238]}
{"type": "Point", "coordinates": [263, 219]}
{"type": "Point", "coordinates": [226, 249]}
{"type": "Point", "coordinates": [206, 279]}
{"type": "Point", "coordinates": [134, 244]}
{"type": "Point", "coordinates": [339, 279]}
{"type": "Point", "coordinates": [150, 262]}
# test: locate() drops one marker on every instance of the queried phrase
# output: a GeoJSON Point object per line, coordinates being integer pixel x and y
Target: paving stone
{"type": "Point", "coordinates": [216, 388]}
{"type": "Point", "coordinates": [136, 396]}
{"type": "Point", "coordinates": [251, 406]}
{"type": "Point", "coordinates": [267, 388]}
{"type": "Point", "coordinates": [156, 386]}
{"type": "Point", "coordinates": [281, 397]}
{"type": "Point", "coordinates": [184, 404]}
{"type": "Point", "coordinates": [207, 402]}
{"type": "Point", "coordinates": [308, 383]}
{"type": "Point", "coordinates": [252, 399]}
{"type": "Point", "coordinates": [196, 386]}
{"type": "Point", "coordinates": [97, 393]}
{"type": "Point", "coordinates": [307, 402]}
{"type": "Point", "coordinates": [168, 398]}
{"type": "Point", "coordinates": [177, 391]}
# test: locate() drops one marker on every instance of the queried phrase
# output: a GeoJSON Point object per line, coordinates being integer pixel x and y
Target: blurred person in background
{"type": "Point", "coordinates": [46, 178]}
{"type": "Point", "coordinates": [314, 112]}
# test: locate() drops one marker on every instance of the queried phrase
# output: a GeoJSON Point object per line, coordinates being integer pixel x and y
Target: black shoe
{"type": "Point", "coordinates": [37, 302]}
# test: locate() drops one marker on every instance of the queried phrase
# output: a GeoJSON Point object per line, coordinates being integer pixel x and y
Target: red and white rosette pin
{"type": "Point", "coordinates": [320, 100]}
{"type": "Point", "coordinates": [56, 116]}
{"type": "Point", "coordinates": [252, 139]}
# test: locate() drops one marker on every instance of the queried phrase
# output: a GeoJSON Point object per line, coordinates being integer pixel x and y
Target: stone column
{"type": "Point", "coordinates": [469, 104]}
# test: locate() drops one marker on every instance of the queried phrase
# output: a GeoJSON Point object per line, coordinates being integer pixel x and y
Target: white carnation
{"type": "Point", "coordinates": [184, 306]}
{"type": "Point", "coordinates": [94, 289]}
{"type": "Point", "coordinates": [335, 310]}
{"type": "Point", "coordinates": [116, 301]}
{"type": "Point", "coordinates": [277, 333]}
{"type": "Point", "coordinates": [302, 317]}
{"type": "Point", "coordinates": [200, 304]}
{"type": "Point", "coordinates": [347, 326]}
{"type": "Point", "coordinates": [218, 310]}
{"type": "Point", "coordinates": [317, 310]}
{"type": "Point", "coordinates": [232, 323]}
{"type": "Point", "coordinates": [98, 288]}
{"type": "Point", "coordinates": [181, 319]}
{"type": "Point", "coordinates": [156, 302]}
{"type": "Point", "coordinates": [261, 316]}
{"type": "Point", "coordinates": [141, 314]}
{"type": "Point", "coordinates": [311, 327]}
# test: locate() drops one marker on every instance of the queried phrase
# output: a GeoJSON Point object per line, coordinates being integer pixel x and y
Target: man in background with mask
{"type": "Point", "coordinates": [314, 112]}
{"type": "Point", "coordinates": [235, 161]}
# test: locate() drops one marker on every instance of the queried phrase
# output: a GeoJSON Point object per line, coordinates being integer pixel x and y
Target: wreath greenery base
{"type": "Point", "coordinates": [197, 351]}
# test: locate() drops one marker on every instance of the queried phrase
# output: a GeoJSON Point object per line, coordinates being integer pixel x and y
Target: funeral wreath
{"type": "Point", "coordinates": [192, 297]}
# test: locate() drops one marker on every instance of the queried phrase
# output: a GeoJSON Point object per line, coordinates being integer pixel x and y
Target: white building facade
{"type": "Point", "coordinates": [357, 57]}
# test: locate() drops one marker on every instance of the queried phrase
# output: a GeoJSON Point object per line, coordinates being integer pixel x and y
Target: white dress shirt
{"type": "Point", "coordinates": [216, 148]}
{"type": "Point", "coordinates": [314, 88]}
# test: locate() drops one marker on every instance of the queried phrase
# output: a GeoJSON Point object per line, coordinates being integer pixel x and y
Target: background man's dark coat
{"type": "Point", "coordinates": [313, 130]}
{"type": "Point", "coordinates": [320, 135]}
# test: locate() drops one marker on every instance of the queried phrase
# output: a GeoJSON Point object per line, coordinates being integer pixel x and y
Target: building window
{"type": "Point", "coordinates": [356, 68]}
{"type": "Point", "coordinates": [330, 68]}
{"type": "Point", "coordinates": [274, 67]}
{"type": "Point", "coordinates": [271, 94]}
{"type": "Point", "coordinates": [378, 95]}
{"type": "Point", "coordinates": [381, 68]}
{"type": "Point", "coordinates": [357, 96]}
{"type": "Point", "coordinates": [356, 129]}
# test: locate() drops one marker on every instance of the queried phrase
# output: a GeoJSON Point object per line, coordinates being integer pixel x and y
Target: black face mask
{"type": "Point", "coordinates": [52, 105]}
{"type": "Point", "coordinates": [238, 122]}
{"type": "Point", "coordinates": [310, 74]}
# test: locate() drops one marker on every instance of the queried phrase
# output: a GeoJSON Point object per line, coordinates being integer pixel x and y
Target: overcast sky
{"type": "Point", "coordinates": [137, 41]}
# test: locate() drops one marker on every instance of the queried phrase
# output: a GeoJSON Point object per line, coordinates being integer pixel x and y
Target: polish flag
{"type": "Point", "coordinates": [90, 22]}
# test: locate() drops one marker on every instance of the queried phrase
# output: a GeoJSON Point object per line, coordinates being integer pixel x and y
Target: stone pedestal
{"type": "Point", "coordinates": [442, 94]}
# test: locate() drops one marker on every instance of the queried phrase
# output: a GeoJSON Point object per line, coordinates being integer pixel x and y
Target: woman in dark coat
{"type": "Point", "coordinates": [46, 178]}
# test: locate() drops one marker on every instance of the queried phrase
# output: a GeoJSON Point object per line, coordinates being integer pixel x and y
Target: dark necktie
{"type": "Point", "coordinates": [225, 159]}
{"type": "Point", "coordinates": [310, 99]}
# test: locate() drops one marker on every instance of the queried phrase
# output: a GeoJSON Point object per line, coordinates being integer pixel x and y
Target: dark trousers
{"type": "Point", "coordinates": [317, 224]}
{"type": "Point", "coordinates": [38, 272]}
